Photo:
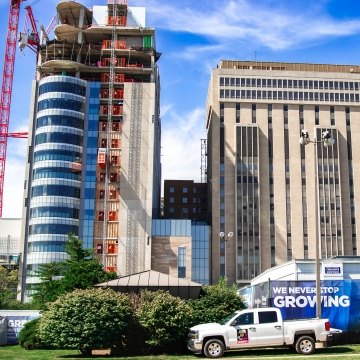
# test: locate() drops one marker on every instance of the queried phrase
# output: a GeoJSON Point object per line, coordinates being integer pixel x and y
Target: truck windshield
{"type": "Point", "coordinates": [226, 319]}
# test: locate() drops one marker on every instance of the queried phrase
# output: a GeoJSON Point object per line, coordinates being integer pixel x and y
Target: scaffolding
{"type": "Point", "coordinates": [9, 252]}
{"type": "Point", "coordinates": [110, 148]}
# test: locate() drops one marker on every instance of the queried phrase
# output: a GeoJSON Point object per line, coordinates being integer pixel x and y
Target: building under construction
{"type": "Point", "coordinates": [93, 166]}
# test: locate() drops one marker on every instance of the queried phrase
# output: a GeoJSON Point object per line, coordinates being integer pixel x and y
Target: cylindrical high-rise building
{"type": "Point", "coordinates": [54, 191]}
{"type": "Point", "coordinates": [93, 166]}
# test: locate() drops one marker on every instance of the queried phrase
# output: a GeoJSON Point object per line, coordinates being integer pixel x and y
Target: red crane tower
{"type": "Point", "coordinates": [7, 82]}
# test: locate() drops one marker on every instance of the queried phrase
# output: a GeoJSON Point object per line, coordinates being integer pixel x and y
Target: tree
{"type": "Point", "coordinates": [50, 288]}
{"type": "Point", "coordinates": [165, 318]}
{"type": "Point", "coordinates": [216, 302]}
{"type": "Point", "coordinates": [74, 248]}
{"type": "Point", "coordinates": [86, 319]}
{"type": "Point", "coordinates": [79, 271]}
{"type": "Point", "coordinates": [8, 286]}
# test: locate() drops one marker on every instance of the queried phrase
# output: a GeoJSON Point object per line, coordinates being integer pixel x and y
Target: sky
{"type": "Point", "coordinates": [193, 36]}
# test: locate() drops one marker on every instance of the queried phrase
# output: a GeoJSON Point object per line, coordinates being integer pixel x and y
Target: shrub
{"type": "Point", "coordinates": [86, 320]}
{"type": "Point", "coordinates": [165, 318]}
{"type": "Point", "coordinates": [216, 302]}
{"type": "Point", "coordinates": [29, 335]}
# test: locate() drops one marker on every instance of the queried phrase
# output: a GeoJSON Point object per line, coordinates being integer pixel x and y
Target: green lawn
{"type": "Point", "coordinates": [343, 352]}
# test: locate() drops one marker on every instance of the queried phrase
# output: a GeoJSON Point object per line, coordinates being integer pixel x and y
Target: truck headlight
{"type": "Point", "coordinates": [194, 334]}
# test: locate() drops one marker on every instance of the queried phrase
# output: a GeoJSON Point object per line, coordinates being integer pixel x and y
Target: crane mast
{"type": "Point", "coordinates": [6, 89]}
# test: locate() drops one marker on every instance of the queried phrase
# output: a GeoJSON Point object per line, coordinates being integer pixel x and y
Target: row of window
{"type": "Point", "coordinates": [288, 95]}
{"type": "Point", "coordinates": [53, 229]}
{"type": "Point", "coordinates": [289, 83]}
{"type": "Point", "coordinates": [185, 190]}
{"type": "Point", "coordinates": [52, 211]}
{"type": "Point", "coordinates": [68, 104]}
{"type": "Point", "coordinates": [57, 154]}
{"type": "Point", "coordinates": [184, 210]}
{"type": "Point", "coordinates": [62, 87]}
{"type": "Point", "coordinates": [59, 173]}
{"type": "Point", "coordinates": [185, 200]}
{"type": "Point", "coordinates": [46, 246]}
{"type": "Point", "coordinates": [60, 120]}
{"type": "Point", "coordinates": [57, 137]}
{"type": "Point", "coordinates": [55, 190]}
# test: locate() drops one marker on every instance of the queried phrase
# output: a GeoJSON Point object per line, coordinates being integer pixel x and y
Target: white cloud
{"type": "Point", "coordinates": [273, 24]}
{"type": "Point", "coordinates": [181, 134]}
{"type": "Point", "coordinates": [193, 53]}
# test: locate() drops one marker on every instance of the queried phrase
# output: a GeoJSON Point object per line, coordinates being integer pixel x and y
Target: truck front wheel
{"type": "Point", "coordinates": [305, 345]}
{"type": "Point", "coordinates": [214, 348]}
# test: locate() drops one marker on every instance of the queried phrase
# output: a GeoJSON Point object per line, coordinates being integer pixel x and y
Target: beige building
{"type": "Point", "coordinates": [267, 207]}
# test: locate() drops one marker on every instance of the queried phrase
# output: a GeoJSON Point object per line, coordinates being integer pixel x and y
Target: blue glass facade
{"type": "Point", "coordinates": [200, 259]}
{"type": "Point", "coordinates": [86, 231]}
{"type": "Point", "coordinates": [164, 227]}
{"type": "Point", "coordinates": [56, 174]}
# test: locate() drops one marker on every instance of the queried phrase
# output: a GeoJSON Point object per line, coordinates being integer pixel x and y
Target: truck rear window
{"type": "Point", "coordinates": [267, 317]}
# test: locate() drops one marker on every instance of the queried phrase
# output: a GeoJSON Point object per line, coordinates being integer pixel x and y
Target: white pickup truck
{"type": "Point", "coordinates": [255, 328]}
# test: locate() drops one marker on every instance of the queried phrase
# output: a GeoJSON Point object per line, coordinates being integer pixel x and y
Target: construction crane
{"type": "Point", "coordinates": [18, 135]}
{"type": "Point", "coordinates": [8, 75]}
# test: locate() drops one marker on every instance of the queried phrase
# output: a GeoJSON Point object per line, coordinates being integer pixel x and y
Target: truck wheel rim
{"type": "Point", "coordinates": [306, 346]}
{"type": "Point", "coordinates": [214, 349]}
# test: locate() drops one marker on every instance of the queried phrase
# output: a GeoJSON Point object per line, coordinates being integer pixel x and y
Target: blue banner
{"type": "Point", "coordinates": [297, 300]}
{"type": "Point", "coordinates": [340, 300]}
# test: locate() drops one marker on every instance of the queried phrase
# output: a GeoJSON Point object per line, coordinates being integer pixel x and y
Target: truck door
{"type": "Point", "coordinates": [269, 330]}
{"type": "Point", "coordinates": [242, 331]}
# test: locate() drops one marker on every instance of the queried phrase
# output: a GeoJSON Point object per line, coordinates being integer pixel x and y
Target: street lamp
{"type": "Point", "coordinates": [225, 239]}
{"type": "Point", "coordinates": [328, 141]}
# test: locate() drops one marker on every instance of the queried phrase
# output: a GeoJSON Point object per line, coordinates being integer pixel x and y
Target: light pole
{"type": "Point", "coordinates": [327, 140]}
{"type": "Point", "coordinates": [225, 239]}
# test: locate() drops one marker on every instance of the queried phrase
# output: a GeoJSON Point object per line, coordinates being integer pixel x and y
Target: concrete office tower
{"type": "Point", "coordinates": [93, 166]}
{"type": "Point", "coordinates": [263, 181]}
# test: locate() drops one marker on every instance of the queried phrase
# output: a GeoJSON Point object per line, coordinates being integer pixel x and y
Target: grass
{"type": "Point", "coordinates": [343, 352]}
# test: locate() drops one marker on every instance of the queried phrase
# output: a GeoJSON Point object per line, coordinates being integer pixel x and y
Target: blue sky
{"type": "Point", "coordinates": [193, 35]}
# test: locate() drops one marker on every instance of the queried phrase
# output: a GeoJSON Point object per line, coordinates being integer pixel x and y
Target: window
{"type": "Point", "coordinates": [171, 189]}
{"type": "Point", "coordinates": [184, 200]}
{"type": "Point", "coordinates": [185, 190]}
{"type": "Point", "coordinates": [181, 262]}
{"type": "Point", "coordinates": [171, 200]}
{"type": "Point", "coordinates": [266, 317]}
{"type": "Point", "coordinates": [253, 115]}
{"type": "Point", "coordinates": [114, 159]}
{"type": "Point", "coordinates": [244, 319]}
{"type": "Point", "coordinates": [113, 177]}
{"type": "Point", "coordinates": [237, 113]}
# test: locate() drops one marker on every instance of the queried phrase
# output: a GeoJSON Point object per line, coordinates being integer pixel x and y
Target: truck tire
{"type": "Point", "coordinates": [214, 348]}
{"type": "Point", "coordinates": [305, 345]}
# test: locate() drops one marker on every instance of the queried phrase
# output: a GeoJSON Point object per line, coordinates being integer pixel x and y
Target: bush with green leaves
{"type": "Point", "coordinates": [86, 320]}
{"type": "Point", "coordinates": [165, 318]}
{"type": "Point", "coordinates": [216, 302]}
{"type": "Point", "coordinates": [29, 335]}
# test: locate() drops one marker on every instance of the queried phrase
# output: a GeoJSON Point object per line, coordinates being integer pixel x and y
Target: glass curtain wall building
{"type": "Point", "coordinates": [93, 166]}
{"type": "Point", "coordinates": [262, 180]}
